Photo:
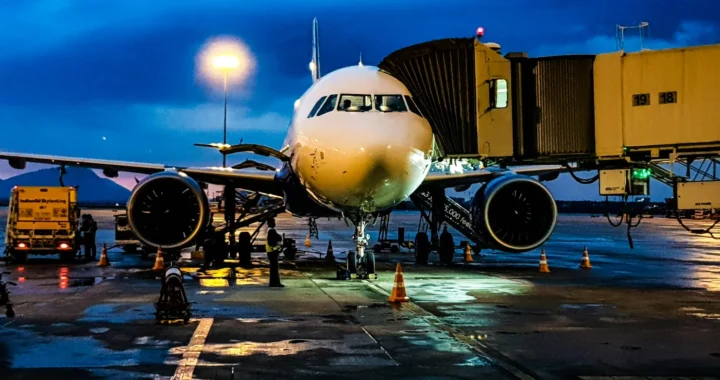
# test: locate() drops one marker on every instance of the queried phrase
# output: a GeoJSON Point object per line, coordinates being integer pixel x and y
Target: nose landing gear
{"type": "Point", "coordinates": [361, 265]}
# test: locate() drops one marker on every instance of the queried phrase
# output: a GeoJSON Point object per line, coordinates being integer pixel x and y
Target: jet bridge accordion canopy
{"type": "Point", "coordinates": [441, 77]}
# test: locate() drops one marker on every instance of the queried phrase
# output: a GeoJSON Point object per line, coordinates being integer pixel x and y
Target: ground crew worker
{"type": "Point", "coordinates": [273, 246]}
{"type": "Point", "coordinates": [89, 238]}
{"type": "Point", "coordinates": [209, 246]}
{"type": "Point", "coordinates": [79, 228]}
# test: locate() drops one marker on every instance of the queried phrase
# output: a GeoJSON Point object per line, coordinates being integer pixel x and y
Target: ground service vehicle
{"type": "Point", "coordinates": [42, 220]}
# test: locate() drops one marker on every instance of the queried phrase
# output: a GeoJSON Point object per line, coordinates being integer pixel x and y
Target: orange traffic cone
{"type": "Point", "coordinates": [544, 268]}
{"type": "Point", "coordinates": [307, 241]}
{"type": "Point", "coordinates": [585, 264]}
{"type": "Point", "coordinates": [104, 262]}
{"type": "Point", "coordinates": [468, 254]}
{"type": "Point", "coordinates": [159, 261]}
{"type": "Point", "coordinates": [398, 292]}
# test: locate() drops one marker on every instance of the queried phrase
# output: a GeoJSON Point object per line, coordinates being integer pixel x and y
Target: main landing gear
{"type": "Point", "coordinates": [361, 265]}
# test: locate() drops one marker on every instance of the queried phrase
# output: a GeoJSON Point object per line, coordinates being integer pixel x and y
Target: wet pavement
{"type": "Point", "coordinates": [649, 312]}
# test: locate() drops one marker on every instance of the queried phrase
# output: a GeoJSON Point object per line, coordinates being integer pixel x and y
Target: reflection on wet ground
{"type": "Point", "coordinates": [650, 311]}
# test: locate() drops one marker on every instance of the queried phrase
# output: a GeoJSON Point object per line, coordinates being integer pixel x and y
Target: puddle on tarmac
{"type": "Point", "coordinates": [583, 305]}
{"type": "Point", "coordinates": [433, 338]}
{"type": "Point", "coordinates": [284, 348]}
{"type": "Point", "coordinates": [118, 313]}
{"type": "Point", "coordinates": [471, 315]}
{"type": "Point", "coordinates": [148, 341]}
{"type": "Point", "coordinates": [116, 374]}
{"type": "Point", "coordinates": [475, 362]}
{"type": "Point", "coordinates": [460, 290]}
{"type": "Point", "coordinates": [72, 352]}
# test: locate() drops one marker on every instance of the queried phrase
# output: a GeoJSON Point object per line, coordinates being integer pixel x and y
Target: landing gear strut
{"type": "Point", "coordinates": [362, 264]}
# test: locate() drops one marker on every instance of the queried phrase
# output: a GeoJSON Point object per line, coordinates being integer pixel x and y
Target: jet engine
{"type": "Point", "coordinates": [514, 213]}
{"type": "Point", "coordinates": [168, 210]}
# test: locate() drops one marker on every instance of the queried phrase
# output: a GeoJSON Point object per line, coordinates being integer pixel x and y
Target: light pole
{"type": "Point", "coordinates": [225, 63]}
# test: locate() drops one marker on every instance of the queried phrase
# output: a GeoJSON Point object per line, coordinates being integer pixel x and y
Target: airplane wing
{"type": "Point", "coordinates": [445, 180]}
{"type": "Point", "coordinates": [260, 181]}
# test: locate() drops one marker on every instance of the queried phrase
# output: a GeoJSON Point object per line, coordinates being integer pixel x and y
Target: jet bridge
{"type": "Point", "coordinates": [513, 108]}
{"type": "Point", "coordinates": [612, 107]}
{"type": "Point", "coordinates": [624, 114]}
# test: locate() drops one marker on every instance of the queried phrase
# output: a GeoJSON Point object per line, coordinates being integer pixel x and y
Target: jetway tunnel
{"type": "Point", "coordinates": [621, 113]}
{"type": "Point", "coordinates": [582, 108]}
{"type": "Point", "coordinates": [481, 104]}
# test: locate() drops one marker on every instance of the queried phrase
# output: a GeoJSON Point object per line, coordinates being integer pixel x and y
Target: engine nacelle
{"type": "Point", "coordinates": [514, 213]}
{"type": "Point", "coordinates": [168, 210]}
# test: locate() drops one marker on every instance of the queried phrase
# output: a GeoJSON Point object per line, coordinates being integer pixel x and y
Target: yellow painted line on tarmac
{"type": "Point", "coordinates": [192, 353]}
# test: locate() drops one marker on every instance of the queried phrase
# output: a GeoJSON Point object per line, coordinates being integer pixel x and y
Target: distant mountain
{"type": "Point", "coordinates": [92, 189]}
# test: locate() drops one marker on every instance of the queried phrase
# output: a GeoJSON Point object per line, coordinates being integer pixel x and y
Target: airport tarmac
{"type": "Point", "coordinates": [653, 311]}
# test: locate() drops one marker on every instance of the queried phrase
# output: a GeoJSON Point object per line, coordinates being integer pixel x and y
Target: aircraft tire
{"type": "Point", "coordinates": [352, 262]}
{"type": "Point", "coordinates": [422, 248]}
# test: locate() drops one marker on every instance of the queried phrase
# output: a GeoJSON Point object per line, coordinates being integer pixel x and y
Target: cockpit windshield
{"type": "Point", "coordinates": [355, 103]}
{"type": "Point", "coordinates": [413, 107]}
{"type": "Point", "coordinates": [390, 103]}
{"type": "Point", "coordinates": [328, 106]}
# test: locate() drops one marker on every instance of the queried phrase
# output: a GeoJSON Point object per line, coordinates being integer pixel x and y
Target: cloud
{"type": "Point", "coordinates": [143, 132]}
{"type": "Point", "coordinates": [688, 33]}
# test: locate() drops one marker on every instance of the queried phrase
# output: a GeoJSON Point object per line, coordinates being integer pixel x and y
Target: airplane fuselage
{"type": "Point", "coordinates": [357, 143]}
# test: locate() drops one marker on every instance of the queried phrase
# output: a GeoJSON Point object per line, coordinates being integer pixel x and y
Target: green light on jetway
{"type": "Point", "coordinates": [641, 173]}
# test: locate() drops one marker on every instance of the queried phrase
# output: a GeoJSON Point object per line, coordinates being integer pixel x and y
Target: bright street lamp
{"type": "Point", "coordinates": [225, 57]}
{"type": "Point", "coordinates": [225, 63]}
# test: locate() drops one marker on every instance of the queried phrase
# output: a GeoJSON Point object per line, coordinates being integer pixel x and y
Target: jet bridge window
{"type": "Point", "coordinates": [412, 106]}
{"type": "Point", "coordinates": [355, 103]}
{"type": "Point", "coordinates": [328, 106]}
{"type": "Point", "coordinates": [498, 93]}
{"type": "Point", "coordinates": [316, 107]}
{"type": "Point", "coordinates": [390, 103]}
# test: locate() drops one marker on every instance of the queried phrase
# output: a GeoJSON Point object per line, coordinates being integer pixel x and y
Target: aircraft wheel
{"type": "Point", "coordinates": [352, 262]}
{"type": "Point", "coordinates": [245, 248]}
{"type": "Point", "coordinates": [394, 249]}
{"type": "Point", "coordinates": [9, 311]}
{"type": "Point", "coordinates": [370, 262]}
{"type": "Point", "coordinates": [446, 251]}
{"type": "Point", "coordinates": [422, 248]}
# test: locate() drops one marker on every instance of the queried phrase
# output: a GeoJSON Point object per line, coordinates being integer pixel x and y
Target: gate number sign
{"type": "Point", "coordinates": [668, 97]}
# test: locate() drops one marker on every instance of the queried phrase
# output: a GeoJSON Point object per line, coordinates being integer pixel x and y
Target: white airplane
{"type": "Point", "coordinates": [357, 146]}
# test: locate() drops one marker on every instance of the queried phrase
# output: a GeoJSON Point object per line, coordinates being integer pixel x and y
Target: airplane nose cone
{"type": "Point", "coordinates": [374, 171]}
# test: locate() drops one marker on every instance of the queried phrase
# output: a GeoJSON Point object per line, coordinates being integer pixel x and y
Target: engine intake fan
{"type": "Point", "coordinates": [514, 213]}
{"type": "Point", "coordinates": [168, 210]}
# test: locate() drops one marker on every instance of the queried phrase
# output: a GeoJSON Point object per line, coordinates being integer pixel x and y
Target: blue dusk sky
{"type": "Point", "coordinates": [120, 79]}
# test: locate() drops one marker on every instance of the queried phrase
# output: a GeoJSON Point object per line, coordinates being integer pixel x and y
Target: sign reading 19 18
{"type": "Point", "coordinates": [668, 97]}
{"type": "Point", "coordinates": [641, 100]}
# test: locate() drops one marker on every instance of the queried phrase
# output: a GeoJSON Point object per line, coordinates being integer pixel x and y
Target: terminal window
{"type": "Point", "coordinates": [390, 103]}
{"type": "Point", "coordinates": [355, 103]}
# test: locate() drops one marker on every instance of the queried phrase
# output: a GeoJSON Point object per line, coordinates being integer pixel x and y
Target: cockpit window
{"type": "Point", "coordinates": [328, 106]}
{"type": "Point", "coordinates": [355, 103]}
{"type": "Point", "coordinates": [390, 103]}
{"type": "Point", "coordinates": [413, 107]}
{"type": "Point", "coordinates": [316, 107]}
